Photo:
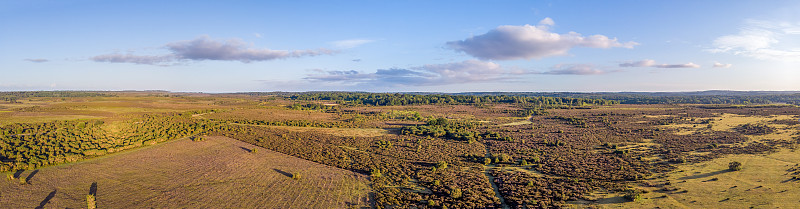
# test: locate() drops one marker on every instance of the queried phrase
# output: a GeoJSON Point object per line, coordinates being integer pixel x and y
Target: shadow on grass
{"type": "Point", "coordinates": [245, 149]}
{"type": "Point", "coordinates": [30, 176]}
{"type": "Point", "coordinates": [93, 189]}
{"type": "Point", "coordinates": [18, 174]}
{"type": "Point", "coordinates": [46, 200]}
{"type": "Point", "coordinates": [283, 172]}
{"type": "Point", "coordinates": [704, 175]}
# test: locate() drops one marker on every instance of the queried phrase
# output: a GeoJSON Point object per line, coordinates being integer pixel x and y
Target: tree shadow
{"type": "Point", "coordinates": [46, 200]}
{"type": "Point", "coordinates": [93, 189]}
{"type": "Point", "coordinates": [283, 172]}
{"type": "Point", "coordinates": [18, 174]}
{"type": "Point", "coordinates": [704, 175]}
{"type": "Point", "coordinates": [245, 149]}
{"type": "Point", "coordinates": [30, 176]}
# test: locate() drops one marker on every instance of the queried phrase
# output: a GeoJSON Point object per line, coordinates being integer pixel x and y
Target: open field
{"type": "Point", "coordinates": [764, 182]}
{"type": "Point", "coordinates": [217, 172]}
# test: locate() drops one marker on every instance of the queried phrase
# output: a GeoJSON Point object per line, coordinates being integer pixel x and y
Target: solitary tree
{"type": "Point", "coordinates": [735, 166]}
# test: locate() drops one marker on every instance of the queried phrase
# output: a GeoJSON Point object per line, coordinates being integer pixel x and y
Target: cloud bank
{"type": "Point", "coordinates": [763, 40]}
{"type": "Point", "coordinates": [510, 42]}
{"type": "Point", "coordinates": [652, 63]}
{"type": "Point", "coordinates": [204, 48]}
{"type": "Point", "coordinates": [469, 71]}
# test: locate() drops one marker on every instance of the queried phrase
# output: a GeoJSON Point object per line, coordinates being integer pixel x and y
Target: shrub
{"type": "Point", "coordinates": [296, 176]}
{"type": "Point", "coordinates": [431, 203]}
{"type": "Point", "coordinates": [91, 203]}
{"type": "Point", "coordinates": [375, 173]}
{"type": "Point", "coordinates": [441, 165]}
{"type": "Point", "coordinates": [196, 138]}
{"type": "Point", "coordinates": [735, 166]}
{"type": "Point", "coordinates": [633, 195]}
{"type": "Point", "coordinates": [22, 181]}
{"type": "Point", "coordinates": [10, 177]}
{"type": "Point", "coordinates": [455, 193]}
{"type": "Point", "coordinates": [254, 150]}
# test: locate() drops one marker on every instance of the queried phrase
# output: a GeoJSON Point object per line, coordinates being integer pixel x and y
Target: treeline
{"type": "Point", "coordinates": [704, 97]}
{"type": "Point", "coordinates": [13, 96]}
{"type": "Point", "coordinates": [391, 99]}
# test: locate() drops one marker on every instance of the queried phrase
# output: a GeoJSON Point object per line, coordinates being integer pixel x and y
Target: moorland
{"type": "Point", "coordinates": [390, 150]}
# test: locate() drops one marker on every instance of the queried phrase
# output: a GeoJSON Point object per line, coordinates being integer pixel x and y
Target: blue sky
{"type": "Point", "coordinates": [390, 46]}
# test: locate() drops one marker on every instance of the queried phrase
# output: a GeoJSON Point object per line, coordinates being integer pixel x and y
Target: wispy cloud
{"type": "Point", "coordinates": [136, 59]}
{"type": "Point", "coordinates": [204, 48]}
{"type": "Point", "coordinates": [574, 69]}
{"type": "Point", "coordinates": [470, 71]}
{"type": "Point", "coordinates": [763, 40]}
{"type": "Point", "coordinates": [37, 60]}
{"type": "Point", "coordinates": [351, 43]}
{"type": "Point", "coordinates": [720, 65]}
{"type": "Point", "coordinates": [510, 42]}
{"type": "Point", "coordinates": [652, 63]}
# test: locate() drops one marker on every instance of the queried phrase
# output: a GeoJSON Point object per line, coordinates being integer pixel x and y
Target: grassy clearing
{"type": "Point", "coordinates": [5, 120]}
{"type": "Point", "coordinates": [345, 132]}
{"type": "Point", "coordinates": [762, 183]}
{"type": "Point", "coordinates": [524, 122]}
{"type": "Point", "coordinates": [218, 172]}
{"type": "Point", "coordinates": [727, 122]}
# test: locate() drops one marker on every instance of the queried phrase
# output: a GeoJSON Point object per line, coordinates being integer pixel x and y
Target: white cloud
{"type": "Point", "coordinates": [351, 43]}
{"type": "Point", "coordinates": [204, 48]}
{"type": "Point", "coordinates": [547, 21]}
{"type": "Point", "coordinates": [720, 65]}
{"type": "Point", "coordinates": [509, 42]}
{"type": "Point", "coordinates": [652, 63]}
{"type": "Point", "coordinates": [469, 71]}
{"type": "Point", "coordinates": [687, 65]}
{"type": "Point", "coordinates": [763, 40]}
{"type": "Point", "coordinates": [574, 69]}
{"type": "Point", "coordinates": [643, 63]}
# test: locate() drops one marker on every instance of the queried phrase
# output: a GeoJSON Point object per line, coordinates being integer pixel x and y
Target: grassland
{"type": "Point", "coordinates": [217, 172]}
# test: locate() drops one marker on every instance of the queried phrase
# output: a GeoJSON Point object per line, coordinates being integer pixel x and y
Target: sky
{"type": "Point", "coordinates": [400, 46]}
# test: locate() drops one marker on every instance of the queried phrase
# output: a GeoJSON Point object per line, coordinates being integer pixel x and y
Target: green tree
{"type": "Point", "coordinates": [735, 166]}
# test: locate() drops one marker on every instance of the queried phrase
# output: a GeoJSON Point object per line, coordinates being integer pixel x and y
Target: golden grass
{"type": "Point", "coordinates": [5, 120]}
{"type": "Point", "coordinates": [344, 132]}
{"type": "Point", "coordinates": [218, 172]}
{"type": "Point", "coordinates": [728, 122]}
{"type": "Point", "coordinates": [524, 122]}
{"type": "Point", "coordinates": [762, 183]}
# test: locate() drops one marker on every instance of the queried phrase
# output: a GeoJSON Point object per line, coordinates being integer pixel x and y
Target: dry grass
{"type": "Point", "coordinates": [218, 172]}
{"type": "Point", "coordinates": [344, 132]}
{"type": "Point", "coordinates": [762, 183]}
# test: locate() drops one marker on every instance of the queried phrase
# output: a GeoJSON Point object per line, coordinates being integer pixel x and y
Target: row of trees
{"type": "Point", "coordinates": [389, 99]}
